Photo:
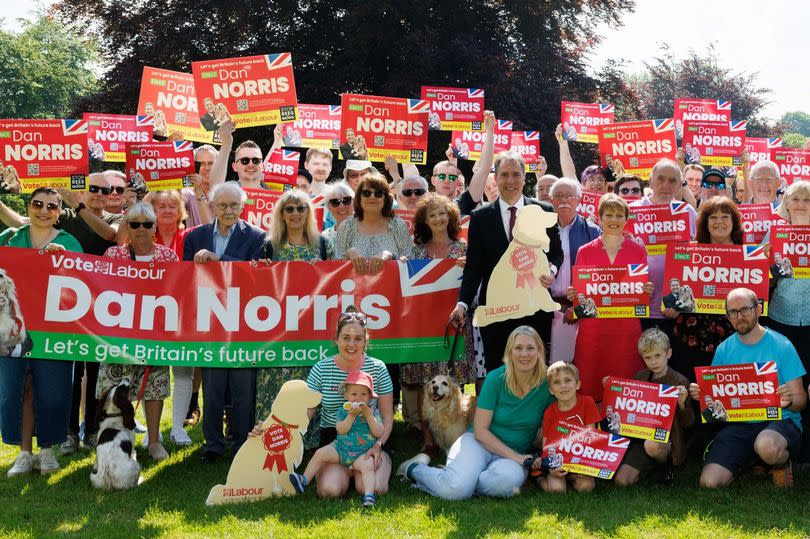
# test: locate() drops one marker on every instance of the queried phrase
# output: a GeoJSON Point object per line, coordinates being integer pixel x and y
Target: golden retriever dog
{"type": "Point", "coordinates": [447, 411]}
{"type": "Point", "coordinates": [262, 466]}
{"type": "Point", "coordinates": [221, 114]}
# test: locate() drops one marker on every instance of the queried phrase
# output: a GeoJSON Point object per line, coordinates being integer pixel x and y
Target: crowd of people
{"type": "Point", "coordinates": [530, 372]}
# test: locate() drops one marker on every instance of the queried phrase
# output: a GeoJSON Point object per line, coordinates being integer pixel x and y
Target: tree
{"type": "Point", "coordinates": [794, 140]}
{"type": "Point", "coordinates": [798, 122]}
{"type": "Point", "coordinates": [44, 70]}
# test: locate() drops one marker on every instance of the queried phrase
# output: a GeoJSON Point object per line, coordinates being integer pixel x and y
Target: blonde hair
{"type": "Point", "coordinates": [802, 188]}
{"type": "Point", "coordinates": [651, 340]}
{"type": "Point", "coordinates": [538, 374]}
{"type": "Point", "coordinates": [278, 227]}
{"type": "Point", "coordinates": [318, 151]}
{"type": "Point", "coordinates": [151, 197]}
{"type": "Point", "coordinates": [559, 367]}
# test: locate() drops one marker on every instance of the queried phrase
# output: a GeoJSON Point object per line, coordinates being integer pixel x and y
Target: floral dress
{"type": "Point", "coordinates": [695, 339]}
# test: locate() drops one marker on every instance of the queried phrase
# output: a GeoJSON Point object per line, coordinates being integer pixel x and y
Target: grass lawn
{"type": "Point", "coordinates": [171, 503]}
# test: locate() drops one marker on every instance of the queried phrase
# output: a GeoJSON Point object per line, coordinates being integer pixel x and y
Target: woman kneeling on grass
{"type": "Point", "coordinates": [490, 459]}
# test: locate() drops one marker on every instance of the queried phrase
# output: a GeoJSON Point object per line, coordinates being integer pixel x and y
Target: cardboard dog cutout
{"type": "Point", "coordinates": [261, 469]}
{"type": "Point", "coordinates": [514, 289]}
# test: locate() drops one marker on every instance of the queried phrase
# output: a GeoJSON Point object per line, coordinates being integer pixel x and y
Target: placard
{"type": "Point", "coordinates": [109, 134]}
{"type": "Point", "coordinates": [790, 251]}
{"type": "Point", "coordinates": [169, 96]}
{"type": "Point", "coordinates": [588, 206]}
{"type": "Point", "coordinates": [587, 451]}
{"type": "Point", "coordinates": [659, 225]}
{"type": "Point", "coordinates": [638, 146]}
{"type": "Point", "coordinates": [527, 144]}
{"type": "Point", "coordinates": [698, 277]}
{"type": "Point", "coordinates": [258, 209]}
{"type": "Point", "coordinates": [44, 153]}
{"type": "Point", "coordinates": [704, 110]}
{"type": "Point", "coordinates": [640, 409]}
{"type": "Point", "coordinates": [793, 163]}
{"type": "Point", "coordinates": [251, 90]}
{"type": "Point", "coordinates": [455, 109]}
{"type": "Point", "coordinates": [744, 392]}
{"type": "Point", "coordinates": [317, 126]}
{"type": "Point", "coordinates": [281, 166]}
{"type": "Point", "coordinates": [611, 291]}
{"type": "Point", "coordinates": [760, 148]}
{"type": "Point", "coordinates": [468, 144]}
{"type": "Point", "coordinates": [757, 220]}
{"type": "Point", "coordinates": [580, 121]}
{"type": "Point", "coordinates": [375, 127]}
{"type": "Point", "coordinates": [160, 165]}
{"type": "Point", "coordinates": [714, 143]}
{"type": "Point", "coordinates": [407, 216]}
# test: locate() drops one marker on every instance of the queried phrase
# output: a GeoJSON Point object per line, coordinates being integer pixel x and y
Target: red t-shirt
{"type": "Point", "coordinates": [583, 413]}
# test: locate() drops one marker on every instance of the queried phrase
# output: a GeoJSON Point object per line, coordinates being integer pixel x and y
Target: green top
{"type": "Point", "coordinates": [19, 237]}
{"type": "Point", "coordinates": [515, 421]}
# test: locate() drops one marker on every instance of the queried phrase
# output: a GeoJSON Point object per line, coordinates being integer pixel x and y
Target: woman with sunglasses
{"type": "Point", "coordinates": [35, 393]}
{"type": "Point", "coordinates": [153, 381]}
{"type": "Point", "coordinates": [374, 235]}
{"type": "Point", "coordinates": [629, 187]}
{"type": "Point", "coordinates": [340, 203]}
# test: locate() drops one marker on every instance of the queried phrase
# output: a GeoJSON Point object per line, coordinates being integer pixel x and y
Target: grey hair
{"type": "Point", "coordinates": [115, 173]}
{"type": "Point", "coordinates": [566, 182]}
{"type": "Point", "coordinates": [206, 148]}
{"type": "Point", "coordinates": [341, 188]}
{"type": "Point", "coordinates": [141, 209]}
{"type": "Point", "coordinates": [422, 182]}
{"type": "Point", "coordinates": [773, 167]}
{"type": "Point", "coordinates": [665, 163]}
{"type": "Point", "coordinates": [229, 188]}
{"type": "Point", "coordinates": [509, 156]}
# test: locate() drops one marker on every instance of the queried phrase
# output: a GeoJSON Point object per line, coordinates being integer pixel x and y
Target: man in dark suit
{"type": "Point", "coordinates": [489, 236]}
{"type": "Point", "coordinates": [207, 120]}
{"type": "Point", "coordinates": [227, 239]}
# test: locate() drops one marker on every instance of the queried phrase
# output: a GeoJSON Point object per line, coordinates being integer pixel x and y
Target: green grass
{"type": "Point", "coordinates": [171, 503]}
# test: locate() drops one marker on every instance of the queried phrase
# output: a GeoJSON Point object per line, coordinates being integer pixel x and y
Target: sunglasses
{"type": "Point", "coordinates": [446, 177]}
{"type": "Point", "coordinates": [135, 225]}
{"type": "Point", "coordinates": [713, 185]}
{"type": "Point", "coordinates": [409, 192]}
{"type": "Point", "coordinates": [118, 189]}
{"type": "Point", "coordinates": [348, 317]}
{"type": "Point", "coordinates": [248, 160]}
{"type": "Point", "coordinates": [335, 202]}
{"type": "Point", "coordinates": [630, 190]}
{"type": "Point", "coordinates": [291, 209]}
{"type": "Point", "coordinates": [96, 188]}
{"type": "Point", "coordinates": [38, 204]}
{"type": "Point", "coordinates": [378, 193]}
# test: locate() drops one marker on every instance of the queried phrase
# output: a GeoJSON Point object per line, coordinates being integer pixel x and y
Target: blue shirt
{"type": "Point", "coordinates": [772, 346]}
{"type": "Point", "coordinates": [220, 241]}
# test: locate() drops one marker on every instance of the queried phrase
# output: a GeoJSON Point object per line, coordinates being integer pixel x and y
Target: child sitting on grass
{"type": "Point", "coordinates": [563, 383]}
{"type": "Point", "coordinates": [358, 427]}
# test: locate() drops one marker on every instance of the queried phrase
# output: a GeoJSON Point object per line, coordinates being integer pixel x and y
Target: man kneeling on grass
{"type": "Point", "coordinates": [776, 443]}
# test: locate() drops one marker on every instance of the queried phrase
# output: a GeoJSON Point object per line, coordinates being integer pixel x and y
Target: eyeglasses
{"type": "Point", "coordinates": [378, 193]}
{"type": "Point", "coordinates": [118, 189]}
{"type": "Point", "coordinates": [248, 160]}
{"type": "Point", "coordinates": [235, 206]}
{"type": "Point", "coordinates": [630, 190]}
{"type": "Point", "coordinates": [744, 311]}
{"type": "Point", "coordinates": [291, 209]}
{"type": "Point", "coordinates": [410, 192]}
{"type": "Point", "coordinates": [764, 179]}
{"type": "Point", "coordinates": [38, 204]}
{"type": "Point", "coordinates": [96, 188]}
{"type": "Point", "coordinates": [596, 179]}
{"type": "Point", "coordinates": [335, 202]}
{"type": "Point", "coordinates": [713, 185]}
{"type": "Point", "coordinates": [446, 177]}
{"type": "Point", "coordinates": [562, 196]}
{"type": "Point", "coordinates": [348, 317]}
{"type": "Point", "coordinates": [135, 225]}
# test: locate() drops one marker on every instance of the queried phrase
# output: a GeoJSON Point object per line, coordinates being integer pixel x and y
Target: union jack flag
{"type": "Point", "coordinates": [418, 106]}
{"type": "Point", "coordinates": [143, 121]}
{"type": "Point", "coordinates": [679, 206]}
{"type": "Point", "coordinates": [774, 143]}
{"type": "Point", "coordinates": [318, 201]}
{"type": "Point", "coordinates": [668, 391]}
{"type": "Point", "coordinates": [74, 127]}
{"type": "Point", "coordinates": [290, 155]}
{"type": "Point", "coordinates": [637, 269]}
{"type": "Point", "coordinates": [334, 110]}
{"type": "Point", "coordinates": [605, 107]}
{"type": "Point", "coordinates": [504, 125]}
{"type": "Point", "coordinates": [618, 441]}
{"type": "Point", "coordinates": [663, 124]}
{"type": "Point", "coordinates": [738, 126]}
{"type": "Point", "coordinates": [475, 92]}
{"type": "Point", "coordinates": [274, 61]}
{"type": "Point", "coordinates": [531, 135]}
{"type": "Point", "coordinates": [723, 105]}
{"type": "Point", "coordinates": [769, 367]}
{"type": "Point", "coordinates": [754, 252]}
{"type": "Point", "coordinates": [182, 145]}
{"type": "Point", "coordinates": [426, 276]}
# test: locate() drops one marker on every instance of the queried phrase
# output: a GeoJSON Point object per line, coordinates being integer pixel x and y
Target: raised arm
{"type": "Point", "coordinates": [479, 179]}
{"type": "Point", "coordinates": [566, 163]}
{"type": "Point", "coordinates": [220, 168]}
{"type": "Point", "coordinates": [10, 217]}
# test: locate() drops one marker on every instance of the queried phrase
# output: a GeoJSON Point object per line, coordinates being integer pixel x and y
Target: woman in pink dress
{"type": "Point", "coordinates": [607, 347]}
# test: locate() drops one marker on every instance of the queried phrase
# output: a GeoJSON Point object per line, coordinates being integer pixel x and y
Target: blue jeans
{"type": "Point", "coordinates": [242, 384]}
{"type": "Point", "coordinates": [51, 382]}
{"type": "Point", "coordinates": [470, 469]}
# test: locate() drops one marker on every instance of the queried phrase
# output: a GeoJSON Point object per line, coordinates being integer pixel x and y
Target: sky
{"type": "Point", "coordinates": [765, 37]}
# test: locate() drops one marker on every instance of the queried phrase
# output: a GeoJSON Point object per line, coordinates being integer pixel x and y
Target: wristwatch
{"type": "Point", "coordinates": [80, 207]}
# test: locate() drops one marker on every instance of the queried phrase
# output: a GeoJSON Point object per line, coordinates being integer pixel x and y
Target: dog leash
{"type": "Point", "coordinates": [451, 362]}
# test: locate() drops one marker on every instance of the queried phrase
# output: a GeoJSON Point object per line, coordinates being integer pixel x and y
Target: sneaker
{"type": "Point", "coordinates": [158, 452]}
{"type": "Point", "coordinates": [180, 438]}
{"type": "Point", "coordinates": [70, 446]}
{"type": "Point", "coordinates": [145, 441]}
{"type": "Point", "coordinates": [24, 464]}
{"type": "Point", "coordinates": [369, 501]}
{"type": "Point", "coordinates": [47, 461]}
{"type": "Point", "coordinates": [404, 469]}
{"type": "Point", "coordinates": [783, 477]}
{"type": "Point", "coordinates": [298, 481]}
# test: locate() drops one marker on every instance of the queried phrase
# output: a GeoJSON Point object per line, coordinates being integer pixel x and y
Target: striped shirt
{"type": "Point", "coordinates": [326, 377]}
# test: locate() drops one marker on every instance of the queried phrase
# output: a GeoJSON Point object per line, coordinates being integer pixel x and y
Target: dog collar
{"type": "Point", "coordinates": [282, 423]}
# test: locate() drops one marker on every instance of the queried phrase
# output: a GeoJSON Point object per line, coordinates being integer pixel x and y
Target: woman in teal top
{"type": "Point", "coordinates": [489, 459]}
{"type": "Point", "coordinates": [34, 393]}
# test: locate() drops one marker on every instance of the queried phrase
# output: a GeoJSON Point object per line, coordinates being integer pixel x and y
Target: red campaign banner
{"type": "Point", "coordinates": [714, 143]}
{"type": "Point", "coordinates": [793, 163]}
{"type": "Point", "coordinates": [527, 144]}
{"type": "Point", "coordinates": [757, 220]}
{"type": "Point", "coordinates": [611, 291]}
{"type": "Point", "coordinates": [258, 210]}
{"type": "Point", "coordinates": [744, 392]}
{"type": "Point", "coordinates": [698, 277]}
{"type": "Point", "coordinates": [109, 134]}
{"type": "Point", "coordinates": [760, 148]}
{"type": "Point", "coordinates": [317, 126]}
{"type": "Point", "coordinates": [160, 165]}
{"type": "Point", "coordinates": [580, 121]}
{"type": "Point", "coordinates": [407, 216]}
{"type": "Point", "coordinates": [281, 166]}
{"type": "Point", "coordinates": [169, 97]}
{"type": "Point", "coordinates": [454, 109]}
{"type": "Point", "coordinates": [640, 409]}
{"type": "Point", "coordinates": [319, 203]}
{"type": "Point", "coordinates": [638, 146]}
{"type": "Point", "coordinates": [790, 250]}
{"type": "Point", "coordinates": [588, 206]}
{"type": "Point", "coordinates": [659, 225]}
{"type": "Point", "coordinates": [251, 90]}
{"type": "Point", "coordinates": [703, 110]}
{"type": "Point", "coordinates": [233, 314]}
{"type": "Point", "coordinates": [44, 153]}
{"type": "Point", "coordinates": [468, 144]}
{"type": "Point", "coordinates": [375, 127]}
{"type": "Point", "coordinates": [586, 451]}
